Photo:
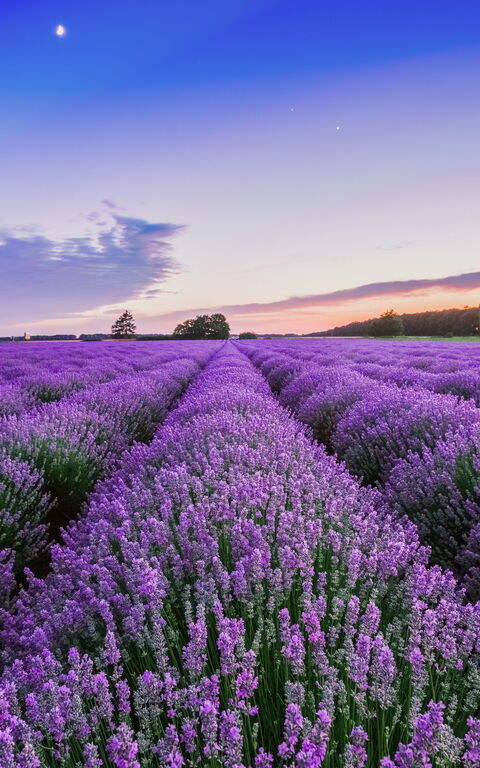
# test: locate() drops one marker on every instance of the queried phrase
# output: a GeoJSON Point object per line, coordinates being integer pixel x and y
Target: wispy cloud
{"type": "Point", "coordinates": [398, 246]}
{"type": "Point", "coordinates": [464, 282]}
{"type": "Point", "coordinates": [46, 278]}
{"type": "Point", "coordinates": [110, 204]}
{"type": "Point", "coordinates": [155, 293]}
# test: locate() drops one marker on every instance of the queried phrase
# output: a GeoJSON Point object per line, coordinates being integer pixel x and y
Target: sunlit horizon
{"type": "Point", "coordinates": [218, 167]}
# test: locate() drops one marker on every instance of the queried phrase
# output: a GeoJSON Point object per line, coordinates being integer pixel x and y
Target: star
{"type": "Point", "coordinates": [338, 127]}
{"type": "Point", "coordinates": [60, 30]}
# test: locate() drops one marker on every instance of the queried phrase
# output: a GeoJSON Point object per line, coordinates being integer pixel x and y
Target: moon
{"type": "Point", "coordinates": [60, 30]}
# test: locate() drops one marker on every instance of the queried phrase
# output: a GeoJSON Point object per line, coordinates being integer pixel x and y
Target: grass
{"type": "Point", "coordinates": [431, 338]}
{"type": "Point", "coordinates": [401, 338]}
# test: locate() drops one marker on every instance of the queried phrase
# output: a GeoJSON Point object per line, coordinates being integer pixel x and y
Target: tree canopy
{"type": "Point", "coordinates": [248, 335]}
{"type": "Point", "coordinates": [204, 327]}
{"type": "Point", "coordinates": [124, 327]}
{"type": "Point", "coordinates": [464, 321]}
{"type": "Point", "coordinates": [388, 324]}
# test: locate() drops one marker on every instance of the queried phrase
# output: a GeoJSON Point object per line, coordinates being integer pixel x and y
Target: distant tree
{"type": "Point", "coordinates": [388, 324]}
{"type": "Point", "coordinates": [184, 330]}
{"type": "Point", "coordinates": [439, 322]}
{"type": "Point", "coordinates": [248, 335]}
{"type": "Point", "coordinates": [191, 328]}
{"type": "Point", "coordinates": [200, 327]}
{"type": "Point", "coordinates": [124, 327]}
{"type": "Point", "coordinates": [218, 328]}
{"type": "Point", "coordinates": [203, 327]}
{"type": "Point", "coordinates": [54, 337]}
{"type": "Point", "coordinates": [154, 337]}
{"type": "Point", "coordinates": [94, 336]}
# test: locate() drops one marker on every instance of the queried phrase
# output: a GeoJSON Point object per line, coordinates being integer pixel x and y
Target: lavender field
{"type": "Point", "coordinates": [251, 554]}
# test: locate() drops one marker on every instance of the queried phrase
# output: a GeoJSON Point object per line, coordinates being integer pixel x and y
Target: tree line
{"type": "Point", "coordinates": [201, 327]}
{"type": "Point", "coordinates": [442, 322]}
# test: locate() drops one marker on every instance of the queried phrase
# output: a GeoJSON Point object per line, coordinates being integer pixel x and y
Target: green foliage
{"type": "Point", "coordinates": [124, 327]}
{"type": "Point", "coordinates": [154, 337]}
{"type": "Point", "coordinates": [248, 335]}
{"type": "Point", "coordinates": [69, 473]}
{"type": "Point", "coordinates": [388, 324]}
{"type": "Point", "coordinates": [93, 336]}
{"type": "Point", "coordinates": [203, 327]}
{"type": "Point", "coordinates": [444, 323]}
{"type": "Point", "coordinates": [50, 391]}
{"type": "Point", "coordinates": [465, 475]}
{"type": "Point", "coordinates": [24, 505]}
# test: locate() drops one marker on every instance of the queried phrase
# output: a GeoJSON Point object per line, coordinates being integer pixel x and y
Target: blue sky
{"type": "Point", "coordinates": [252, 156]}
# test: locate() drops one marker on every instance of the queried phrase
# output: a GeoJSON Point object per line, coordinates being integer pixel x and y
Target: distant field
{"type": "Point", "coordinates": [401, 338]}
{"type": "Point", "coordinates": [433, 338]}
{"type": "Point", "coordinates": [438, 338]}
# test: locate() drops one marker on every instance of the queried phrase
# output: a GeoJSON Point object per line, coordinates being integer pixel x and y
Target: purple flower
{"type": "Point", "coordinates": [292, 730]}
{"type": "Point", "coordinates": [122, 749]}
{"type": "Point", "coordinates": [425, 741]}
{"type": "Point", "coordinates": [471, 756]}
{"type": "Point", "coordinates": [229, 592]}
{"type": "Point", "coordinates": [293, 646]}
{"type": "Point", "coordinates": [356, 754]}
{"type": "Point", "coordinates": [123, 694]}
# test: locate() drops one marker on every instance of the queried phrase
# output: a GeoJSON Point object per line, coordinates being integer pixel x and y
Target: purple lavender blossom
{"type": "Point", "coordinates": [231, 596]}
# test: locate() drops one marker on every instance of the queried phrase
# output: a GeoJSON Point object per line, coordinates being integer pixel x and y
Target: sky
{"type": "Point", "coordinates": [295, 164]}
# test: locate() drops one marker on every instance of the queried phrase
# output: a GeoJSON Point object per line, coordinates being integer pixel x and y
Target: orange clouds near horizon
{"type": "Point", "coordinates": [301, 314]}
{"type": "Point", "coordinates": [313, 319]}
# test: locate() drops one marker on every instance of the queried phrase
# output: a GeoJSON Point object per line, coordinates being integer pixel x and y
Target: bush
{"type": "Point", "coordinates": [389, 423]}
{"type": "Point", "coordinates": [24, 507]}
{"type": "Point", "coordinates": [439, 489]}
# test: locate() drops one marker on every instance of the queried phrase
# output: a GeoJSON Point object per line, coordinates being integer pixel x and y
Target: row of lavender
{"type": "Point", "coordinates": [31, 374]}
{"type": "Point", "coordinates": [421, 448]}
{"type": "Point", "coordinates": [231, 598]}
{"type": "Point", "coordinates": [52, 455]}
{"type": "Point", "coordinates": [445, 368]}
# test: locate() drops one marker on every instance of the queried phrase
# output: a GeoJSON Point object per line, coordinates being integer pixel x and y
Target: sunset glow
{"type": "Point", "coordinates": [224, 169]}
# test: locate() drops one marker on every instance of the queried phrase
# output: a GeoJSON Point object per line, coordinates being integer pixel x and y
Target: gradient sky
{"type": "Point", "coordinates": [297, 164]}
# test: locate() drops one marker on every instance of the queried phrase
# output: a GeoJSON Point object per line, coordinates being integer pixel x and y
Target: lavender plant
{"type": "Point", "coordinates": [69, 445]}
{"type": "Point", "coordinates": [389, 423]}
{"type": "Point", "coordinates": [325, 398]}
{"type": "Point", "coordinates": [440, 489]}
{"type": "Point", "coordinates": [37, 373]}
{"type": "Point", "coordinates": [233, 597]}
{"type": "Point", "coordinates": [24, 508]}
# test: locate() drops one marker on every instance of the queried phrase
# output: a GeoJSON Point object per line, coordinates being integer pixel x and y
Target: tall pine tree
{"type": "Point", "coordinates": [124, 327]}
